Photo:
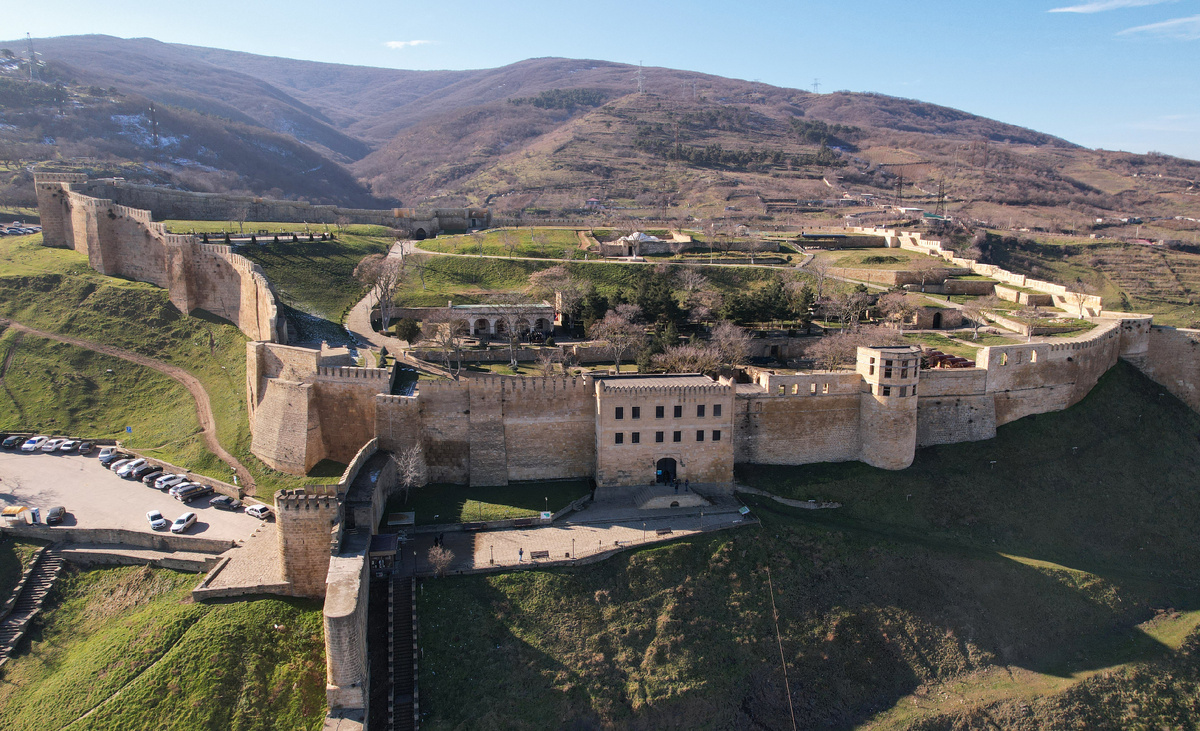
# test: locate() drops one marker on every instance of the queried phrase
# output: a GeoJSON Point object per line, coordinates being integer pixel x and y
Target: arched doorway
{"type": "Point", "coordinates": [420, 234]}
{"type": "Point", "coordinates": [482, 327]}
{"type": "Point", "coordinates": [664, 471]}
{"type": "Point", "coordinates": [937, 321]}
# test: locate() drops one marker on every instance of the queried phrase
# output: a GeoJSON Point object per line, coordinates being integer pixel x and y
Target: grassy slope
{"type": "Point", "coordinates": [950, 581]}
{"type": "Point", "coordinates": [553, 243]}
{"type": "Point", "coordinates": [54, 290]}
{"type": "Point", "coordinates": [130, 646]}
{"type": "Point", "coordinates": [317, 277]}
{"type": "Point", "coordinates": [55, 388]}
{"type": "Point", "coordinates": [462, 504]}
{"type": "Point", "coordinates": [15, 555]}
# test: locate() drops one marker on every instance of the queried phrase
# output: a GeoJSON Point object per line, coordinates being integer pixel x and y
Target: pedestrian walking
{"type": "Point", "coordinates": [686, 485]}
{"type": "Point", "coordinates": [676, 483]}
{"type": "Point", "coordinates": [520, 555]}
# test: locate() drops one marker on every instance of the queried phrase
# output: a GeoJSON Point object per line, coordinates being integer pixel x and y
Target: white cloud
{"type": "Point", "coordinates": [1099, 6]}
{"type": "Point", "coordinates": [1184, 29]}
{"type": "Point", "coordinates": [406, 44]}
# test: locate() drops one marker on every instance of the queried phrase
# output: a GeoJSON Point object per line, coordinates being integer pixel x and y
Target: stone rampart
{"type": "Point", "coordinates": [164, 203]}
{"type": "Point", "coordinates": [1172, 360]}
{"type": "Point", "coordinates": [122, 241]}
{"type": "Point", "coordinates": [309, 523]}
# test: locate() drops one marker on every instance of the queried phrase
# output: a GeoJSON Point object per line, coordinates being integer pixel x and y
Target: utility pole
{"type": "Point", "coordinates": [941, 201]}
{"type": "Point", "coordinates": [816, 86]}
{"type": "Point", "coordinates": [154, 127]}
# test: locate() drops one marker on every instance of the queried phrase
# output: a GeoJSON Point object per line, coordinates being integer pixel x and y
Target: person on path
{"type": "Point", "coordinates": [686, 485]}
{"type": "Point", "coordinates": [676, 482]}
{"type": "Point", "coordinates": [520, 555]}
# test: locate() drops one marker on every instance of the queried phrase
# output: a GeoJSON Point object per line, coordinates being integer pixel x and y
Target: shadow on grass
{"type": "Point", "coordinates": [440, 503]}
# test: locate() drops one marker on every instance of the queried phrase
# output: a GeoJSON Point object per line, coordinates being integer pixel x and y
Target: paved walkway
{"type": "Point", "coordinates": [204, 413]}
{"type": "Point", "coordinates": [253, 563]}
{"type": "Point", "coordinates": [595, 531]}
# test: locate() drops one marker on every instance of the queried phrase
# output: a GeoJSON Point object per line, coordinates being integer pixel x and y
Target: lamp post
{"type": "Point", "coordinates": [492, 550]}
{"type": "Point", "coordinates": [572, 548]}
{"type": "Point", "coordinates": [643, 531]}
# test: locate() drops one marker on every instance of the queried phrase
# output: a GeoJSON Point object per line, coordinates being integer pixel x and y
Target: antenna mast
{"type": "Point", "coordinates": [32, 55]}
{"type": "Point", "coordinates": [640, 78]}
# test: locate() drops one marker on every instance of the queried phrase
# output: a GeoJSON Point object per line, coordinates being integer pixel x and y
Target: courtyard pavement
{"type": "Point", "coordinates": [97, 498]}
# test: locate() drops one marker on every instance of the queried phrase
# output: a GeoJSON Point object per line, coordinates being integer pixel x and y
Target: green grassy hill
{"type": "Point", "coordinates": [1053, 588]}
{"type": "Point", "coordinates": [127, 648]}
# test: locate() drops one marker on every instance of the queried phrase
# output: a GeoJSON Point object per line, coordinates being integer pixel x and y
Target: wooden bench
{"type": "Point", "coordinates": [523, 522]}
{"type": "Point", "coordinates": [663, 531]}
{"type": "Point", "coordinates": [539, 555]}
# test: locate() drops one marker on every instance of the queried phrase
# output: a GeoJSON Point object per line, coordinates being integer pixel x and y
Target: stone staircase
{"type": "Point", "coordinates": [402, 617]}
{"type": "Point", "coordinates": [30, 595]}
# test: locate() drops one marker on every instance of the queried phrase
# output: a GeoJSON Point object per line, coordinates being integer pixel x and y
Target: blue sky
{"type": "Point", "coordinates": [1117, 74]}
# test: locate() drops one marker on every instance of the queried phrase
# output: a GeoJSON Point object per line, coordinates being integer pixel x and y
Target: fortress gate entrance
{"type": "Point", "coordinates": [664, 471]}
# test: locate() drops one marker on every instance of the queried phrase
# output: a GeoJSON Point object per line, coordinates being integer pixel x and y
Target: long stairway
{"type": "Point", "coordinates": [29, 601]}
{"type": "Point", "coordinates": [402, 613]}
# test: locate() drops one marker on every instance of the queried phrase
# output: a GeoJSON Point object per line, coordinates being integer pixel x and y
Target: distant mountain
{"type": "Point", "coordinates": [548, 133]}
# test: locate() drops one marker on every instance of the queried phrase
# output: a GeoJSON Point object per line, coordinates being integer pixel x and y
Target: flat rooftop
{"type": "Point", "coordinates": [670, 380]}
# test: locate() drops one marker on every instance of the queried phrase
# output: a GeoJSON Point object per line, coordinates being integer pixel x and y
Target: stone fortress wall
{"type": "Point", "coordinates": [164, 204]}
{"type": "Point", "coordinates": [123, 242]}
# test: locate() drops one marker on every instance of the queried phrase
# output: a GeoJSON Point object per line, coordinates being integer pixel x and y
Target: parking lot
{"type": "Point", "coordinates": [97, 498]}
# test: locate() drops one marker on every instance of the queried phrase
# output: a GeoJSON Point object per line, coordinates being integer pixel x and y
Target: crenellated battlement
{"type": "Point", "coordinates": [349, 373]}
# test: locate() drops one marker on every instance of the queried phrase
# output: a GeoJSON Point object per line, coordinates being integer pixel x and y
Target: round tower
{"type": "Point", "coordinates": [888, 405]}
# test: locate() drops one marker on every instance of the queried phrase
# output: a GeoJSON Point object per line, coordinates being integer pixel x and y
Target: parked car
{"type": "Point", "coordinates": [52, 445]}
{"type": "Point", "coordinates": [55, 515]}
{"type": "Point", "coordinates": [126, 470]}
{"type": "Point", "coordinates": [183, 522]}
{"type": "Point", "coordinates": [34, 444]}
{"type": "Point", "coordinates": [69, 445]}
{"type": "Point", "coordinates": [85, 447]}
{"type": "Point", "coordinates": [113, 456]}
{"type": "Point", "coordinates": [173, 491]}
{"type": "Point", "coordinates": [166, 481]}
{"type": "Point", "coordinates": [259, 511]}
{"type": "Point", "coordinates": [146, 469]}
{"type": "Point", "coordinates": [224, 502]}
{"type": "Point", "coordinates": [114, 466]}
{"type": "Point", "coordinates": [157, 522]}
{"type": "Point", "coordinates": [193, 491]}
{"type": "Point", "coordinates": [13, 442]}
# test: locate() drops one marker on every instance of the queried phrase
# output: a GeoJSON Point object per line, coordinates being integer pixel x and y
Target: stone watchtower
{"type": "Point", "coordinates": [888, 405]}
{"type": "Point", "coordinates": [306, 519]}
{"type": "Point", "coordinates": [51, 191]}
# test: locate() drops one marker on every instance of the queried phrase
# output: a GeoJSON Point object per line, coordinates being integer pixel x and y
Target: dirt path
{"type": "Point", "coordinates": [203, 407]}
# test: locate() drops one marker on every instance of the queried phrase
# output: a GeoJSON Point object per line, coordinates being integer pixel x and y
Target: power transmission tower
{"type": "Point", "coordinates": [32, 56]}
{"type": "Point", "coordinates": [640, 78]}
{"type": "Point", "coordinates": [941, 201]}
{"type": "Point", "coordinates": [693, 91]}
{"type": "Point", "coordinates": [816, 86]}
{"type": "Point", "coordinates": [154, 128]}
{"type": "Point", "coordinates": [899, 190]}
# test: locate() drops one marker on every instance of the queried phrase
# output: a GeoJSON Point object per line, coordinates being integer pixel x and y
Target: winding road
{"type": "Point", "coordinates": [204, 412]}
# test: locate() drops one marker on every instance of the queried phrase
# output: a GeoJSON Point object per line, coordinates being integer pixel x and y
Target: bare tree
{"type": "Point", "coordinates": [621, 331]}
{"type": "Point", "coordinates": [510, 240]}
{"type": "Point", "coordinates": [898, 307]}
{"type": "Point", "coordinates": [340, 223]}
{"type": "Point", "coordinates": [415, 264]}
{"type": "Point", "coordinates": [240, 214]}
{"type": "Point", "coordinates": [513, 311]}
{"type": "Point", "coordinates": [547, 363]}
{"type": "Point", "coordinates": [410, 470]}
{"type": "Point", "coordinates": [447, 330]}
{"type": "Point", "coordinates": [557, 285]}
{"type": "Point", "coordinates": [440, 559]}
{"type": "Point", "coordinates": [384, 275]}
{"type": "Point", "coordinates": [840, 350]}
{"type": "Point", "coordinates": [732, 343]}
{"type": "Point", "coordinates": [690, 279]}
{"type": "Point", "coordinates": [973, 310]}
{"type": "Point", "coordinates": [849, 307]}
{"type": "Point", "coordinates": [819, 268]}
{"type": "Point", "coordinates": [928, 271]}
{"type": "Point", "coordinates": [688, 358]}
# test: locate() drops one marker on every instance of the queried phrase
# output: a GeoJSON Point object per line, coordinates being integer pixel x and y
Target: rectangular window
{"type": "Point", "coordinates": [620, 412]}
{"type": "Point", "coordinates": [620, 438]}
{"type": "Point", "coordinates": [872, 361]}
{"type": "Point", "coordinates": [636, 437]}
{"type": "Point", "coordinates": [871, 371]}
{"type": "Point", "coordinates": [887, 364]}
{"type": "Point", "coordinates": [812, 389]}
{"type": "Point", "coordinates": [903, 393]}
{"type": "Point", "coordinates": [716, 409]}
{"type": "Point", "coordinates": [887, 372]}
{"type": "Point", "coordinates": [699, 411]}
{"type": "Point", "coordinates": [887, 390]}
{"type": "Point", "coordinates": [677, 436]}
{"type": "Point", "coordinates": [658, 436]}
{"type": "Point", "coordinates": [781, 387]}
{"type": "Point", "coordinates": [658, 412]}
{"type": "Point", "coordinates": [903, 374]}
{"type": "Point", "coordinates": [795, 390]}
{"type": "Point", "coordinates": [678, 411]}
{"type": "Point", "coordinates": [824, 388]}
{"type": "Point", "coordinates": [700, 436]}
{"type": "Point", "coordinates": [716, 435]}
{"type": "Point", "coordinates": [637, 412]}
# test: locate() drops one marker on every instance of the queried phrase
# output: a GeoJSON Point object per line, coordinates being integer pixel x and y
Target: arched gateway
{"type": "Point", "coordinates": [664, 471]}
